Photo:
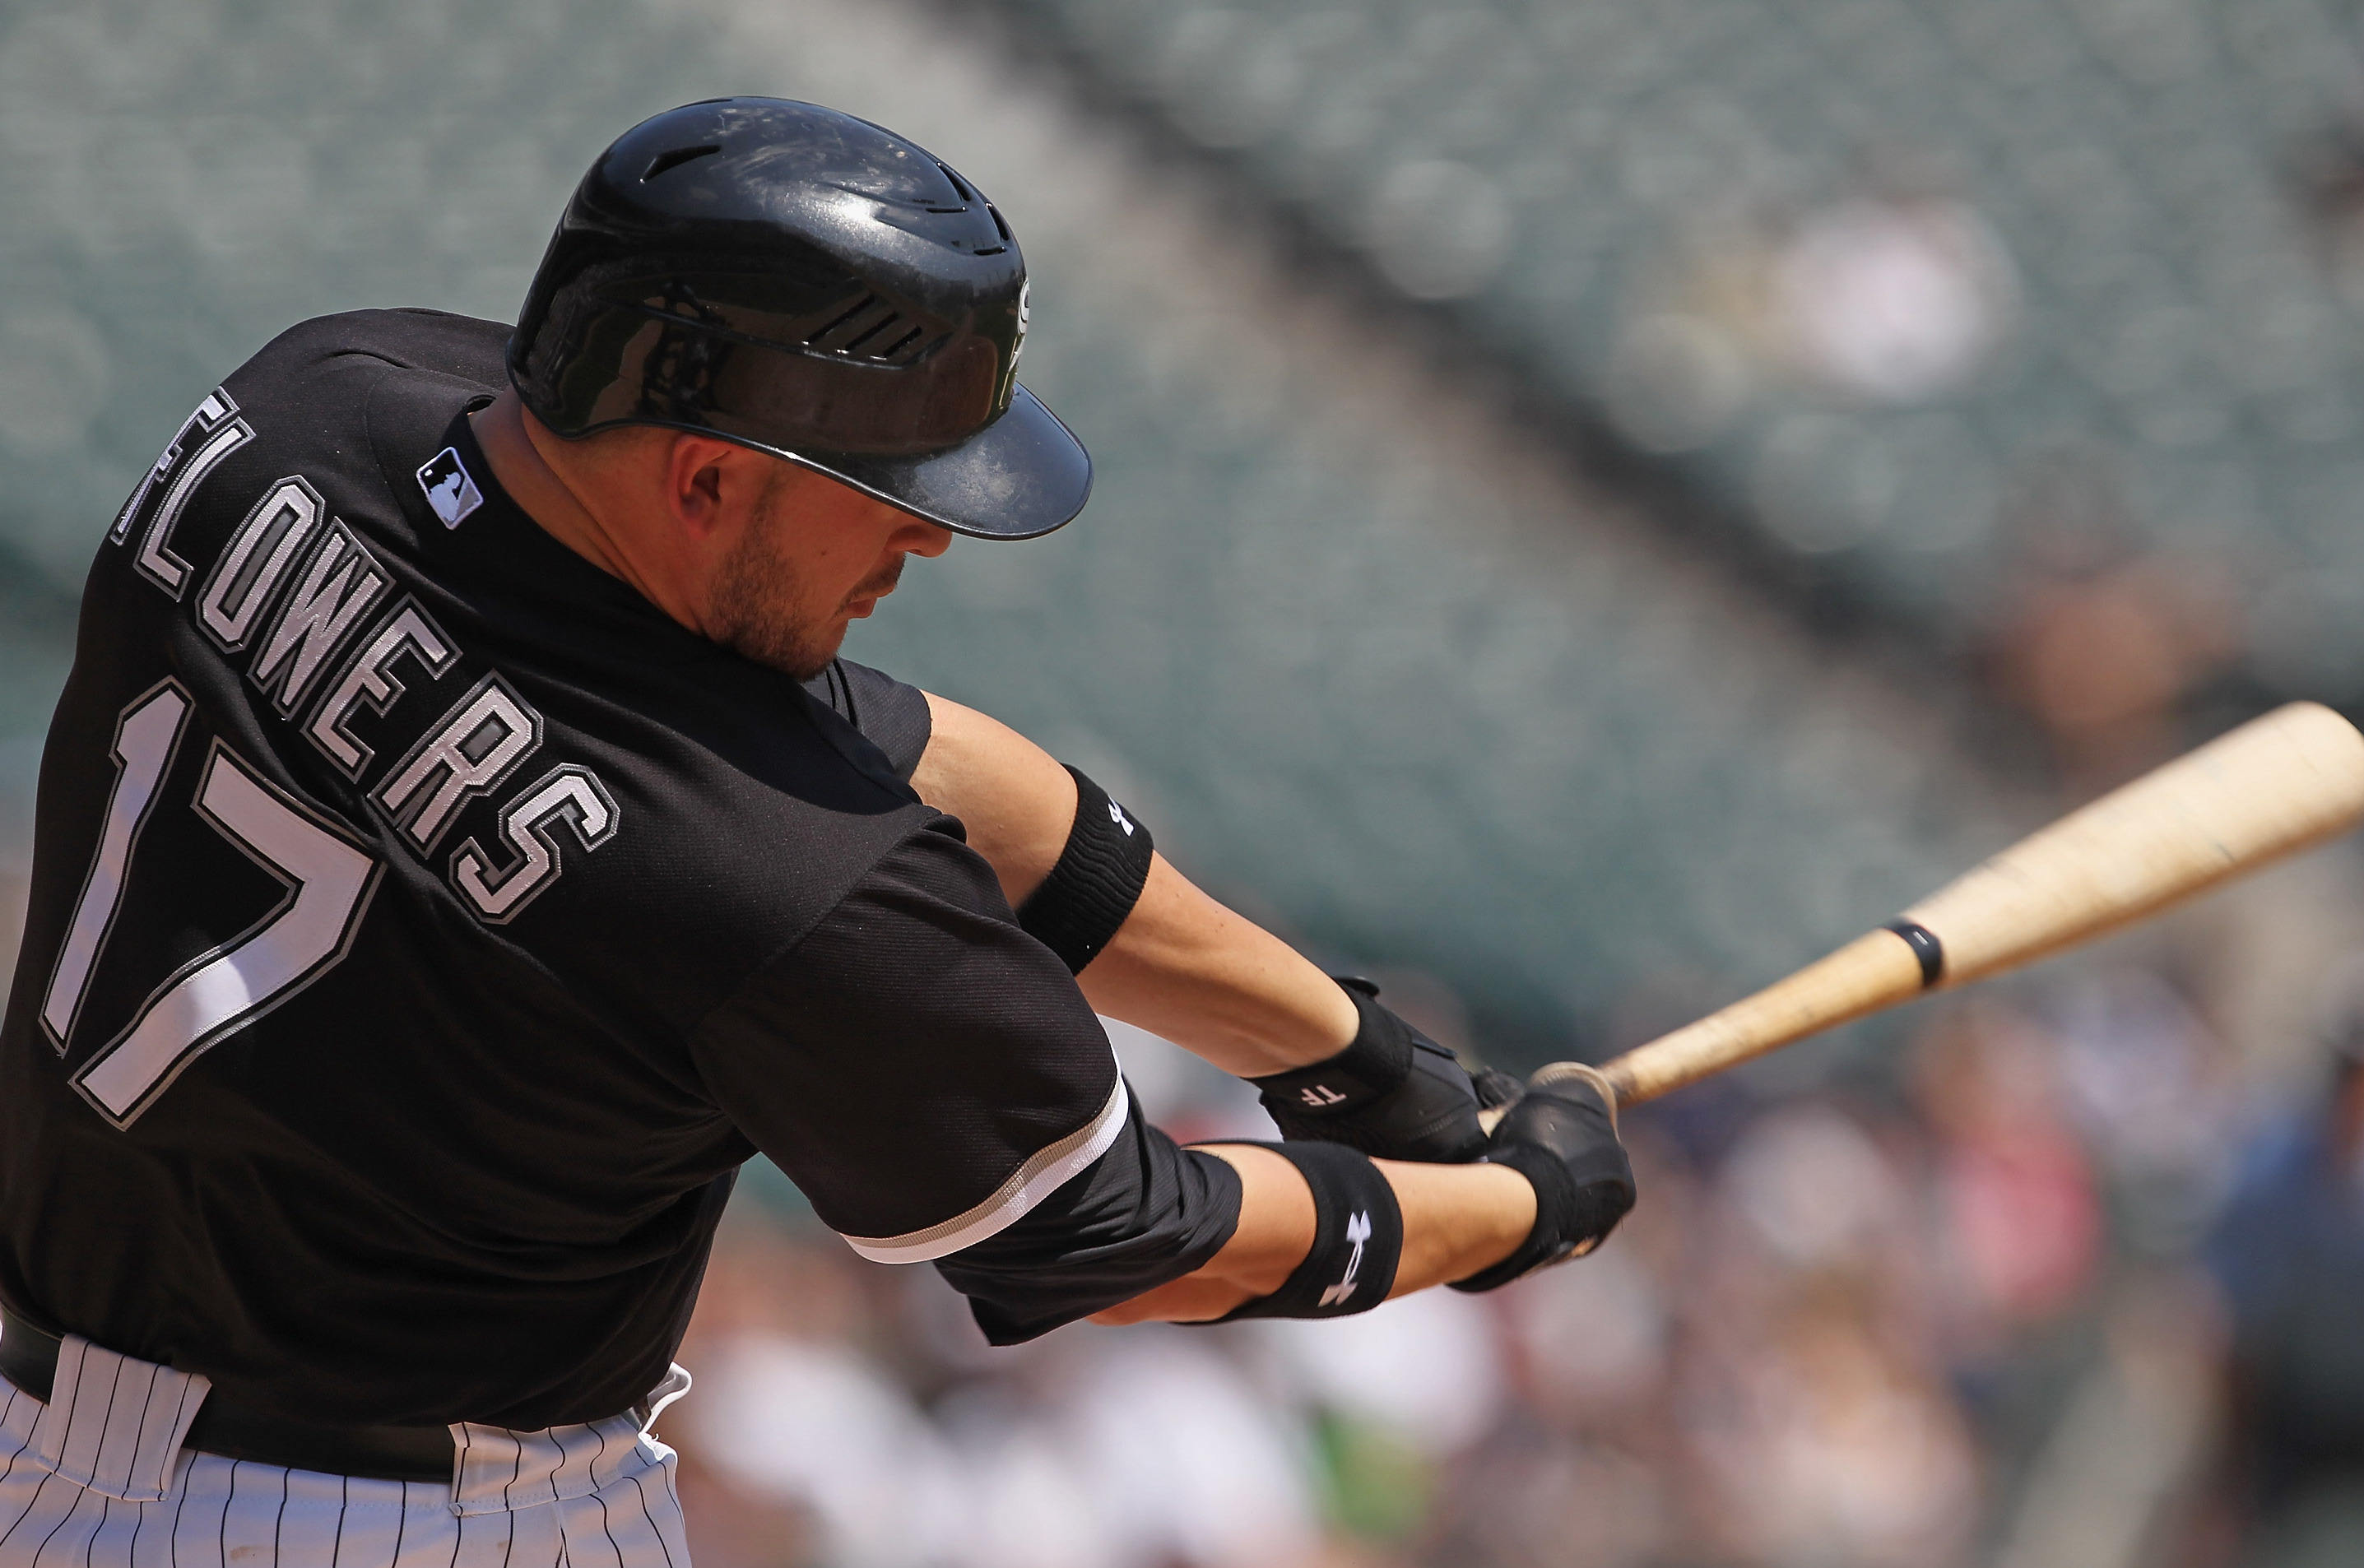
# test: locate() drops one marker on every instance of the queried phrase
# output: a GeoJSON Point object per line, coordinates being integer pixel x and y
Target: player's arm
{"type": "Point", "coordinates": [1150, 948]}
{"type": "Point", "coordinates": [1180, 964]}
{"type": "Point", "coordinates": [1324, 1231]}
{"type": "Point", "coordinates": [1458, 1220]}
{"type": "Point", "coordinates": [931, 1077]}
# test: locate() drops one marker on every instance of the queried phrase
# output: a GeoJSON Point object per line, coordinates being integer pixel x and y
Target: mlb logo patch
{"type": "Point", "coordinates": [450, 488]}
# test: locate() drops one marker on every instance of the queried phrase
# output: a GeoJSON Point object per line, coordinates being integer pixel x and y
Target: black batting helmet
{"type": "Point", "coordinates": [805, 283]}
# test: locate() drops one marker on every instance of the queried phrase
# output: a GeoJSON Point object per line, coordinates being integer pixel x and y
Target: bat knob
{"type": "Point", "coordinates": [1581, 1072]}
{"type": "Point", "coordinates": [1557, 1073]}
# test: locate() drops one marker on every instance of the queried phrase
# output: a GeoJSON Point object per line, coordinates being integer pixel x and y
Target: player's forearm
{"type": "Point", "coordinates": [1186, 968]}
{"type": "Point", "coordinates": [1457, 1220]}
{"type": "Point", "coordinates": [1182, 966]}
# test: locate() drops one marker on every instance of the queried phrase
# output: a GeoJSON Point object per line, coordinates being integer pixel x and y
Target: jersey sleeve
{"type": "Point", "coordinates": [1144, 1213]}
{"type": "Point", "coordinates": [932, 1078]}
{"type": "Point", "coordinates": [891, 715]}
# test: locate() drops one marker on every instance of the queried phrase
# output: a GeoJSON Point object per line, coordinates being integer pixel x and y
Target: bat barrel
{"type": "Point", "coordinates": [2276, 785]}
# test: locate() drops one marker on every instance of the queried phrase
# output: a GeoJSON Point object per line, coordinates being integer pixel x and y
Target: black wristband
{"type": "Point", "coordinates": [1098, 879]}
{"type": "Point", "coordinates": [1562, 1136]}
{"type": "Point", "coordinates": [1556, 1195]}
{"type": "Point", "coordinates": [1358, 1238]}
{"type": "Point", "coordinates": [1375, 1062]}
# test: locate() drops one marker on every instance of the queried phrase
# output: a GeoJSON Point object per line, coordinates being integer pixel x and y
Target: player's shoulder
{"type": "Point", "coordinates": [332, 373]}
{"type": "Point", "coordinates": [889, 713]}
{"type": "Point", "coordinates": [433, 341]}
{"type": "Point", "coordinates": [352, 405]}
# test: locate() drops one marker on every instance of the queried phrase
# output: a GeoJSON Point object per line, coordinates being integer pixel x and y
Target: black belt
{"type": "Point", "coordinates": [29, 1358]}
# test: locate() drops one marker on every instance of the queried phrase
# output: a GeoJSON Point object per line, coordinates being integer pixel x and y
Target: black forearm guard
{"type": "Point", "coordinates": [1095, 883]}
{"type": "Point", "coordinates": [1393, 1093]}
{"type": "Point", "coordinates": [1358, 1238]}
{"type": "Point", "coordinates": [1561, 1136]}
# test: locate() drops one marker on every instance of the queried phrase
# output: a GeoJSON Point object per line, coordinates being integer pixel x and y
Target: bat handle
{"type": "Point", "coordinates": [1877, 970]}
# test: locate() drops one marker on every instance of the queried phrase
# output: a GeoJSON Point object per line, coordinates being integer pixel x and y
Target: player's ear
{"type": "Point", "coordinates": [709, 485]}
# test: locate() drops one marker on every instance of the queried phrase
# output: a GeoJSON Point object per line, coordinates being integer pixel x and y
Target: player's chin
{"type": "Point", "coordinates": [810, 655]}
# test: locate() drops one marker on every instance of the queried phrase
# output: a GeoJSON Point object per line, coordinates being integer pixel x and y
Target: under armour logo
{"type": "Point", "coordinates": [1117, 815]}
{"type": "Point", "coordinates": [450, 488]}
{"type": "Point", "coordinates": [1321, 1096]}
{"type": "Point", "coordinates": [1358, 1231]}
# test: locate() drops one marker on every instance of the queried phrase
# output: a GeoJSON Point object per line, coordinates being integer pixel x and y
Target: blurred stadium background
{"type": "Point", "coordinates": [1599, 501]}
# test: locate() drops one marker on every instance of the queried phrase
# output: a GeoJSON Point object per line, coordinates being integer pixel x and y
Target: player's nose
{"type": "Point", "coordinates": [924, 539]}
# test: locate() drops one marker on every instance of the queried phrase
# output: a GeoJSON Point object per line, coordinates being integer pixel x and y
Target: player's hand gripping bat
{"type": "Point", "coordinates": [2277, 784]}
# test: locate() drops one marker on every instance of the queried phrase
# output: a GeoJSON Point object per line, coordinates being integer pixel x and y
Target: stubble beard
{"type": "Point", "coordinates": [760, 608]}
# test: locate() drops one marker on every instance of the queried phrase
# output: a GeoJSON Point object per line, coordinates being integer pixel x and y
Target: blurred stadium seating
{"type": "Point", "coordinates": [1891, 277]}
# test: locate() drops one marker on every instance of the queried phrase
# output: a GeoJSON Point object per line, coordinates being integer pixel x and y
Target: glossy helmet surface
{"type": "Point", "coordinates": [808, 284]}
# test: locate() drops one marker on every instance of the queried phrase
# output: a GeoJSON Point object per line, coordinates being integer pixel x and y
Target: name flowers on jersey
{"type": "Point", "coordinates": [294, 589]}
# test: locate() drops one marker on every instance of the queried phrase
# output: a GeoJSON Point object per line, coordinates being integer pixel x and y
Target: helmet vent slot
{"type": "Point", "coordinates": [999, 227]}
{"type": "Point", "coordinates": [958, 185]}
{"type": "Point", "coordinates": [870, 331]}
{"type": "Point", "coordinates": [665, 163]}
{"type": "Point", "coordinates": [856, 308]}
{"type": "Point", "coordinates": [869, 320]}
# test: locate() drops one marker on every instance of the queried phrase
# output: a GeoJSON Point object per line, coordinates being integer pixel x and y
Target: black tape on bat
{"type": "Point", "coordinates": [1925, 947]}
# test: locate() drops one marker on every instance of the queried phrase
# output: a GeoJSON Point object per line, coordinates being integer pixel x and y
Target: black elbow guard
{"type": "Point", "coordinates": [1095, 883]}
{"type": "Point", "coordinates": [1358, 1238]}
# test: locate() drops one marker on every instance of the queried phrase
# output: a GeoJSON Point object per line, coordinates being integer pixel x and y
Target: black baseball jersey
{"type": "Point", "coordinates": [424, 928]}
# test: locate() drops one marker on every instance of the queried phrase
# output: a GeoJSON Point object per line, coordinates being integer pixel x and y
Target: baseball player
{"type": "Point", "coordinates": [460, 848]}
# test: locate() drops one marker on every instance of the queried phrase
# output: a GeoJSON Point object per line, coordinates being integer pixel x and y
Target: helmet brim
{"type": "Point", "coordinates": [1020, 477]}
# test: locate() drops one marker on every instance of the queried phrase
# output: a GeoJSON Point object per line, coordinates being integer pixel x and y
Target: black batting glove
{"type": "Point", "coordinates": [1393, 1093]}
{"type": "Point", "coordinates": [1561, 1136]}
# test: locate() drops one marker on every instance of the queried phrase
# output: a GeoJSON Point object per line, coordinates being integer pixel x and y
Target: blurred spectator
{"type": "Point", "coordinates": [2098, 638]}
{"type": "Point", "coordinates": [1812, 1399]}
{"type": "Point", "coordinates": [1383, 1439]}
{"type": "Point", "coordinates": [1192, 1462]}
{"type": "Point", "coordinates": [1192, 1100]}
{"type": "Point", "coordinates": [1593, 1342]}
{"type": "Point", "coordinates": [2114, 1485]}
{"type": "Point", "coordinates": [1830, 1447]}
{"type": "Point", "coordinates": [1895, 301]}
{"type": "Point", "coordinates": [1532, 1497]}
{"type": "Point", "coordinates": [2151, 1089]}
{"type": "Point", "coordinates": [2022, 1224]}
{"type": "Point", "coordinates": [1874, 300]}
{"type": "Point", "coordinates": [2289, 1253]}
{"type": "Point", "coordinates": [1445, 1383]}
{"type": "Point", "coordinates": [807, 1444]}
{"type": "Point", "coordinates": [817, 1425]}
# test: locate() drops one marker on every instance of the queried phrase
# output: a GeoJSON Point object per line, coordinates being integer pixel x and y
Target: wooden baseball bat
{"type": "Point", "coordinates": [2277, 784]}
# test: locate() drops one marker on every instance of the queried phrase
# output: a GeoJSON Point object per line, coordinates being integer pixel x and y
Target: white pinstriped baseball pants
{"type": "Point", "coordinates": [97, 1478]}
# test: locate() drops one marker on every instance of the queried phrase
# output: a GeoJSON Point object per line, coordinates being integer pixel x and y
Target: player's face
{"type": "Point", "coordinates": [815, 556]}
